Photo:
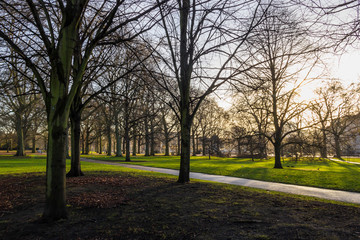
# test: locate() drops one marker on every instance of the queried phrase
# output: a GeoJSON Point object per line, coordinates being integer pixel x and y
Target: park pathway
{"type": "Point", "coordinates": [329, 194]}
{"type": "Point", "coordinates": [344, 161]}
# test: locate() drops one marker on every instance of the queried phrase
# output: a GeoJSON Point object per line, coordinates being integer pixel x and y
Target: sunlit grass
{"type": "Point", "coordinates": [319, 172]}
{"type": "Point", "coordinates": [308, 172]}
{"type": "Point", "coordinates": [10, 165]}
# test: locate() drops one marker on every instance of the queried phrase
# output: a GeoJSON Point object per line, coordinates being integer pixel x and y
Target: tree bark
{"type": "Point", "coordinates": [20, 135]}
{"type": "Point", "coordinates": [118, 142]}
{"type": "Point", "coordinates": [100, 145]}
{"type": "Point", "coordinates": [178, 153]}
{"type": "Point", "coordinates": [55, 206]}
{"type": "Point", "coordinates": [134, 145]}
{"type": "Point", "coordinates": [184, 174]}
{"type": "Point", "coordinates": [147, 142]}
{"type": "Point", "coordinates": [109, 141]}
{"type": "Point", "coordinates": [139, 144]}
{"type": "Point", "coordinates": [166, 135]}
{"type": "Point", "coordinates": [75, 121]}
{"type": "Point", "coordinates": [277, 148]}
{"type": "Point", "coordinates": [87, 141]}
{"type": "Point", "coordinates": [33, 148]}
{"type": "Point", "coordinates": [193, 144]}
{"type": "Point", "coordinates": [337, 147]}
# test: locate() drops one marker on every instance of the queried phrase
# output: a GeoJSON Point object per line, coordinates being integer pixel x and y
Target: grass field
{"type": "Point", "coordinates": [308, 172]}
{"type": "Point", "coordinates": [121, 203]}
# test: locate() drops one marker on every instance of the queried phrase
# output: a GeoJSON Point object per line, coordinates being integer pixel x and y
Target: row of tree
{"type": "Point", "coordinates": [136, 57]}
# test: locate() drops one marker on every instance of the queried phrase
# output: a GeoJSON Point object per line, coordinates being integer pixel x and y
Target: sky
{"type": "Point", "coordinates": [345, 67]}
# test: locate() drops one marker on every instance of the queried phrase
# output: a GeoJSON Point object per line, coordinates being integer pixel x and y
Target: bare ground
{"type": "Point", "coordinates": [128, 206]}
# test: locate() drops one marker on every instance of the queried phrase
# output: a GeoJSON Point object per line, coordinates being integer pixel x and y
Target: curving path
{"type": "Point", "coordinates": [336, 195]}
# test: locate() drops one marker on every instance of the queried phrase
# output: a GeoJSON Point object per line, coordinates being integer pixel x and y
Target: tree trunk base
{"type": "Point", "coordinates": [72, 173]}
{"type": "Point", "coordinates": [48, 217]}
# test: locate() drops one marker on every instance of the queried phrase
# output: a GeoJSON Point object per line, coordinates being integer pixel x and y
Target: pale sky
{"type": "Point", "coordinates": [345, 67]}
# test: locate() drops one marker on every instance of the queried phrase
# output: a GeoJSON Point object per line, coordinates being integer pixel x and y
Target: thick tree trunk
{"type": "Point", "coordinates": [55, 206]}
{"type": "Point", "coordinates": [184, 174]}
{"type": "Point", "coordinates": [277, 148]}
{"type": "Point", "coordinates": [20, 136]}
{"type": "Point", "coordinates": [33, 148]}
{"type": "Point", "coordinates": [100, 145]}
{"type": "Point", "coordinates": [337, 147]}
{"type": "Point", "coordinates": [167, 145]}
{"type": "Point", "coordinates": [75, 122]}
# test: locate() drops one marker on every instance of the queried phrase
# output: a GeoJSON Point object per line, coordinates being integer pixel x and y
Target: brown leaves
{"type": "Point", "coordinates": [16, 191]}
{"type": "Point", "coordinates": [99, 191]}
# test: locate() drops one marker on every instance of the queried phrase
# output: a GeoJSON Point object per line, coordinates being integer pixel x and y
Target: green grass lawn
{"type": "Point", "coordinates": [351, 159]}
{"type": "Point", "coordinates": [318, 173]}
{"type": "Point", "coordinates": [10, 165]}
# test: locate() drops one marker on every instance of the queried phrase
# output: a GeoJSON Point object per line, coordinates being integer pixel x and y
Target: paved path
{"type": "Point", "coordinates": [336, 195]}
{"type": "Point", "coordinates": [343, 161]}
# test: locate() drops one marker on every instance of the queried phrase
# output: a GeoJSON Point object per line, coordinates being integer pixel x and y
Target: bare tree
{"type": "Point", "coordinates": [338, 113]}
{"type": "Point", "coordinates": [51, 30]}
{"type": "Point", "coordinates": [193, 34]}
{"type": "Point", "coordinates": [283, 52]}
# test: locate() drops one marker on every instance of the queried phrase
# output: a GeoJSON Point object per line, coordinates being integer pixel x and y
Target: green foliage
{"type": "Point", "coordinates": [307, 172]}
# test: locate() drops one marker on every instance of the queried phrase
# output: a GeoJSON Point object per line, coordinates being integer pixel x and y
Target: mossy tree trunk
{"type": "Point", "coordinates": [75, 121]}
{"type": "Point", "coordinates": [20, 134]}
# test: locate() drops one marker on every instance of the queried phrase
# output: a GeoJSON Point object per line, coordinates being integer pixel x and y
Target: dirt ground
{"type": "Point", "coordinates": [127, 206]}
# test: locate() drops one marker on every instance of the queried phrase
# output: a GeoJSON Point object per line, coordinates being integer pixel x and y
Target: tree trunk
{"type": "Point", "coordinates": [147, 142]}
{"type": "Point", "coordinates": [337, 147]}
{"type": "Point", "coordinates": [193, 144]}
{"type": "Point", "coordinates": [87, 142]}
{"type": "Point", "coordinates": [20, 136]}
{"type": "Point", "coordinates": [323, 150]}
{"type": "Point", "coordinates": [134, 145]}
{"type": "Point", "coordinates": [67, 143]}
{"type": "Point", "coordinates": [75, 122]}
{"type": "Point", "coordinates": [139, 144]}
{"type": "Point", "coordinates": [178, 144]}
{"type": "Point", "coordinates": [109, 141]}
{"type": "Point", "coordinates": [100, 145]}
{"type": "Point", "coordinates": [82, 144]}
{"type": "Point", "coordinates": [127, 145]}
{"type": "Point", "coordinates": [33, 144]}
{"type": "Point", "coordinates": [55, 206]}
{"type": "Point", "coordinates": [184, 174]}
{"type": "Point", "coordinates": [118, 141]}
{"type": "Point", "coordinates": [166, 136]}
{"type": "Point", "coordinates": [277, 147]}
{"type": "Point", "coordinates": [167, 145]}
